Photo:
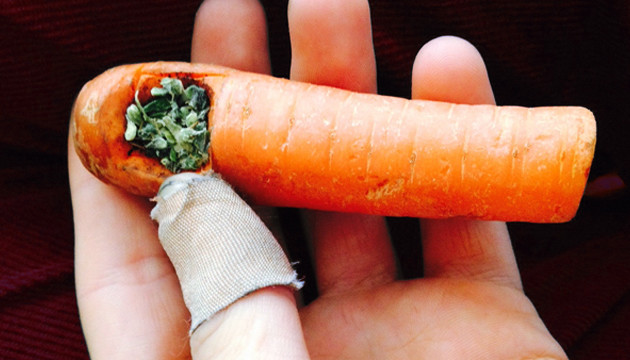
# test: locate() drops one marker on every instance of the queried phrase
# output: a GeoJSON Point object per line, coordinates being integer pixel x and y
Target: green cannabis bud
{"type": "Point", "coordinates": [172, 126]}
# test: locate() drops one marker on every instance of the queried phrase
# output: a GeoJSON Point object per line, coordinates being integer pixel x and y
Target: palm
{"type": "Point", "coordinates": [425, 319]}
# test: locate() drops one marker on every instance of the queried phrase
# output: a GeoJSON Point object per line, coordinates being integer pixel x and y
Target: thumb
{"type": "Point", "coordinates": [262, 325]}
{"type": "Point", "coordinates": [236, 280]}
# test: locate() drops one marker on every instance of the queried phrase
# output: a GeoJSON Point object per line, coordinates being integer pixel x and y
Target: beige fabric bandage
{"type": "Point", "coordinates": [219, 247]}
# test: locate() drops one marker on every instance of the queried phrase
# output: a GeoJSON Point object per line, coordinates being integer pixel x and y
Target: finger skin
{"type": "Point", "coordinates": [262, 325]}
{"type": "Point", "coordinates": [451, 69]}
{"type": "Point", "coordinates": [217, 39]}
{"type": "Point", "coordinates": [352, 251]}
{"type": "Point", "coordinates": [331, 44]}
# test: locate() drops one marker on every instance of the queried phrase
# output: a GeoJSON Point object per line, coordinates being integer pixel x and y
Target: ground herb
{"type": "Point", "coordinates": [172, 126]}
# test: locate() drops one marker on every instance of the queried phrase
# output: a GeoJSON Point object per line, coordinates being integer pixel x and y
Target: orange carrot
{"type": "Point", "coordinates": [286, 143]}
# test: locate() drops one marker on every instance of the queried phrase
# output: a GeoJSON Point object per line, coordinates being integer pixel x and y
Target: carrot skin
{"type": "Point", "coordinates": [285, 143]}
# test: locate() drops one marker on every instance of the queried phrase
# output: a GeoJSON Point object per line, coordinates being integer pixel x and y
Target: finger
{"type": "Point", "coordinates": [128, 295]}
{"type": "Point", "coordinates": [331, 43]}
{"type": "Point", "coordinates": [231, 33]}
{"type": "Point", "coordinates": [451, 69]}
{"type": "Point", "coordinates": [471, 249]}
{"type": "Point", "coordinates": [352, 251]}
{"type": "Point", "coordinates": [262, 325]}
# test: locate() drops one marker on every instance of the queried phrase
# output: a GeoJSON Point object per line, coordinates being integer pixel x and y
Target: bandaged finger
{"type": "Point", "coordinates": [219, 247]}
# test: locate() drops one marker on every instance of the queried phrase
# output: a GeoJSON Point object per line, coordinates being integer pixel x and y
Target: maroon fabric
{"type": "Point", "coordinates": [537, 52]}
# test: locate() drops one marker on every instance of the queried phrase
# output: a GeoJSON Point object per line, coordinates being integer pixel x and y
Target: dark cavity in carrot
{"type": "Point", "coordinates": [286, 143]}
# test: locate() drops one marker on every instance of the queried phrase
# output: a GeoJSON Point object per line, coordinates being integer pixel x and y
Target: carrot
{"type": "Point", "coordinates": [286, 143]}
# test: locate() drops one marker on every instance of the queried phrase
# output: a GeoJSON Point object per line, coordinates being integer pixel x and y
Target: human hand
{"type": "Point", "coordinates": [470, 303]}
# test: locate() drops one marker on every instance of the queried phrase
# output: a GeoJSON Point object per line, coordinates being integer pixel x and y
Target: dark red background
{"type": "Point", "coordinates": [573, 52]}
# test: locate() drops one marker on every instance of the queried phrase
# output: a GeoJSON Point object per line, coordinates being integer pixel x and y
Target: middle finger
{"type": "Point", "coordinates": [331, 43]}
